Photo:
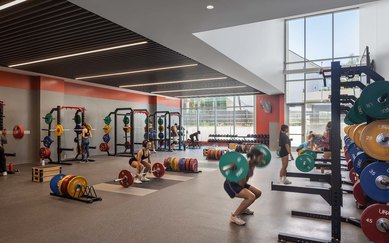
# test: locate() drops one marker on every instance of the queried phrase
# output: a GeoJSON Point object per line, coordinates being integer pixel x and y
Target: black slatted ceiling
{"type": "Point", "coordinates": [39, 29]}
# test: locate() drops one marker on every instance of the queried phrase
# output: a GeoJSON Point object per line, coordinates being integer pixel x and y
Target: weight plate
{"type": "Point", "coordinates": [160, 121]}
{"type": "Point", "coordinates": [351, 132]}
{"type": "Point", "coordinates": [187, 165]}
{"type": "Point", "coordinates": [374, 181]}
{"type": "Point", "coordinates": [181, 164]}
{"type": "Point", "coordinates": [171, 163]}
{"type": "Point", "coordinates": [158, 170]}
{"type": "Point", "coordinates": [374, 100]}
{"type": "Point", "coordinates": [375, 139]}
{"type": "Point", "coordinates": [77, 119]}
{"type": "Point", "coordinates": [310, 153]}
{"type": "Point", "coordinates": [305, 163]}
{"type": "Point", "coordinates": [357, 134]}
{"type": "Point", "coordinates": [190, 165]}
{"type": "Point", "coordinates": [77, 187]}
{"type": "Point", "coordinates": [346, 128]}
{"type": "Point", "coordinates": [54, 183]}
{"type": "Point", "coordinates": [359, 195]}
{"type": "Point", "coordinates": [349, 164]}
{"type": "Point", "coordinates": [48, 118]}
{"type": "Point", "coordinates": [347, 155]}
{"type": "Point", "coordinates": [59, 130]}
{"type": "Point", "coordinates": [64, 184]}
{"type": "Point", "coordinates": [107, 128]}
{"type": "Point", "coordinates": [353, 175]}
{"type": "Point", "coordinates": [127, 178]}
{"type": "Point", "coordinates": [375, 221]}
{"type": "Point", "coordinates": [359, 158]}
{"type": "Point", "coordinates": [347, 120]}
{"type": "Point", "coordinates": [107, 120]}
{"type": "Point", "coordinates": [166, 162]}
{"type": "Point", "coordinates": [356, 113]}
{"type": "Point", "coordinates": [266, 155]}
{"type": "Point", "coordinates": [126, 120]}
{"type": "Point", "coordinates": [106, 138]}
{"type": "Point", "coordinates": [233, 166]}
{"type": "Point", "coordinates": [175, 161]}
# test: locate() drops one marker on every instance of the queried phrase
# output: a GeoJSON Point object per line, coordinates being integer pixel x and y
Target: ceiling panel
{"type": "Point", "coordinates": [40, 29]}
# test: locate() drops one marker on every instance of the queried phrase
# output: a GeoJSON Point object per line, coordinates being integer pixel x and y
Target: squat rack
{"type": "Point", "coordinates": [163, 144]}
{"type": "Point", "coordinates": [333, 195]}
{"type": "Point", "coordinates": [60, 149]}
{"type": "Point", "coordinates": [122, 112]}
{"type": "Point", "coordinates": [2, 127]}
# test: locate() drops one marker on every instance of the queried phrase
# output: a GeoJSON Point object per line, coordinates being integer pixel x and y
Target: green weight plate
{"type": "Point", "coordinates": [305, 163]}
{"type": "Point", "coordinates": [107, 120]}
{"type": "Point", "coordinates": [77, 119]}
{"type": "Point", "coordinates": [160, 121]}
{"type": "Point", "coordinates": [234, 166]}
{"type": "Point", "coordinates": [374, 100]}
{"type": "Point", "coordinates": [356, 114]}
{"type": "Point", "coordinates": [347, 120]}
{"type": "Point", "coordinates": [48, 118]}
{"type": "Point", "coordinates": [126, 120]}
{"type": "Point", "coordinates": [266, 155]}
{"type": "Point", "coordinates": [310, 153]}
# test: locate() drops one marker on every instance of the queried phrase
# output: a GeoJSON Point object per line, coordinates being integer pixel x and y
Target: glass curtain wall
{"type": "Point", "coordinates": [312, 43]}
{"type": "Point", "coordinates": [219, 115]}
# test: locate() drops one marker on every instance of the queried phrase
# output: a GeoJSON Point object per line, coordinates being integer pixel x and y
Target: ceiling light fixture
{"type": "Point", "coordinates": [79, 54]}
{"type": "Point", "coordinates": [209, 7]}
{"type": "Point", "coordinates": [186, 90]}
{"type": "Point", "coordinates": [10, 4]}
{"type": "Point", "coordinates": [137, 71]}
{"type": "Point", "coordinates": [223, 94]}
{"type": "Point", "coordinates": [172, 82]}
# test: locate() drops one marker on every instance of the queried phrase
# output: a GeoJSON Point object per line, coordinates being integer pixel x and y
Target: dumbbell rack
{"type": "Point", "coordinates": [333, 195]}
{"type": "Point", "coordinates": [60, 149]}
{"type": "Point", "coordinates": [232, 138]}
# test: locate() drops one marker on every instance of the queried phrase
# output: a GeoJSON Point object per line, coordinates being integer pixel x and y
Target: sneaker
{"type": "Point", "coordinates": [137, 181]}
{"type": "Point", "coordinates": [4, 173]}
{"type": "Point", "coordinates": [154, 151]}
{"type": "Point", "coordinates": [144, 179]}
{"type": "Point", "coordinates": [236, 220]}
{"type": "Point", "coordinates": [248, 212]}
{"type": "Point", "coordinates": [287, 182]}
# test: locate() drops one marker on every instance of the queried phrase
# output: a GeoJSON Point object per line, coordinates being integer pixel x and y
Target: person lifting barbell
{"type": "Point", "coordinates": [238, 171]}
{"type": "Point", "coordinates": [142, 163]}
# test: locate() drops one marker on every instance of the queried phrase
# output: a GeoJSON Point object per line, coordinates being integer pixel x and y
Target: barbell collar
{"type": "Point", "coordinates": [383, 225]}
{"type": "Point", "coordinates": [382, 182]}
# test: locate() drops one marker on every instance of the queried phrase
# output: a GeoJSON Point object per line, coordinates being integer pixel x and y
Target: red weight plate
{"type": "Point", "coordinates": [347, 155]}
{"type": "Point", "coordinates": [373, 219]}
{"type": "Point", "coordinates": [350, 164]}
{"type": "Point", "coordinates": [65, 183]}
{"type": "Point", "coordinates": [353, 175]}
{"type": "Point", "coordinates": [186, 164]}
{"type": "Point", "coordinates": [195, 165]}
{"type": "Point", "coordinates": [359, 195]}
{"type": "Point", "coordinates": [165, 162]}
{"type": "Point", "coordinates": [127, 178]}
{"type": "Point", "coordinates": [158, 170]}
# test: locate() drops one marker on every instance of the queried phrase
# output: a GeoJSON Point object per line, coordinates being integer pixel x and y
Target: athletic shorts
{"type": "Point", "coordinates": [233, 188]}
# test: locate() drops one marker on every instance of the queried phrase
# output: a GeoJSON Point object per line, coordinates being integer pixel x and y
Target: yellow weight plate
{"type": "Point", "coordinates": [351, 132]}
{"type": "Point", "coordinates": [346, 128]}
{"type": "Point", "coordinates": [107, 129]}
{"type": "Point", "coordinates": [357, 134]}
{"type": "Point", "coordinates": [176, 159]}
{"type": "Point", "coordinates": [59, 130]}
{"type": "Point", "coordinates": [375, 139]}
{"type": "Point", "coordinates": [77, 186]}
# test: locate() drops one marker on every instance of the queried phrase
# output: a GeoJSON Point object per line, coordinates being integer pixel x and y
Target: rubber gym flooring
{"type": "Point", "coordinates": [178, 208]}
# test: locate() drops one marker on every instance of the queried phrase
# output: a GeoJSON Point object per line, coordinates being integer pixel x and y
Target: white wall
{"type": "Point", "coordinates": [258, 47]}
{"type": "Point", "coordinates": [374, 32]}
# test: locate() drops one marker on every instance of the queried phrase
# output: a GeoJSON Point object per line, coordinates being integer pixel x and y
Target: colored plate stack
{"type": "Point", "coordinates": [214, 154]}
{"type": "Point", "coordinates": [181, 164]}
{"type": "Point", "coordinates": [68, 185]}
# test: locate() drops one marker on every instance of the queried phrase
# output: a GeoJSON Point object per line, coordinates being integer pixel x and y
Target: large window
{"type": "Point", "coordinates": [219, 115]}
{"type": "Point", "coordinates": [312, 43]}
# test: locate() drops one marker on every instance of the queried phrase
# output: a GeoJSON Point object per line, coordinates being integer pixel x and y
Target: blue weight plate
{"type": "Point", "coordinates": [106, 138]}
{"type": "Point", "coordinates": [54, 183]}
{"type": "Point", "coordinates": [181, 164]}
{"type": "Point", "coordinates": [374, 179]}
{"type": "Point", "coordinates": [359, 159]}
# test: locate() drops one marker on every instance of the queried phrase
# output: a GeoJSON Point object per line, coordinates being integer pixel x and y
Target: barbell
{"type": "Point", "coordinates": [59, 129]}
{"type": "Point", "coordinates": [305, 162]}
{"type": "Point", "coordinates": [235, 167]}
{"type": "Point", "coordinates": [17, 132]}
{"type": "Point", "coordinates": [126, 178]}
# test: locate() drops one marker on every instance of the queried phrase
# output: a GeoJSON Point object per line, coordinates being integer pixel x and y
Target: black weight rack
{"type": "Point", "coordinates": [60, 149]}
{"type": "Point", "coordinates": [88, 195]}
{"type": "Point", "coordinates": [334, 194]}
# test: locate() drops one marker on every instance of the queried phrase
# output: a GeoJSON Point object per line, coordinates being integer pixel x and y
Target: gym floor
{"type": "Point", "coordinates": [176, 208]}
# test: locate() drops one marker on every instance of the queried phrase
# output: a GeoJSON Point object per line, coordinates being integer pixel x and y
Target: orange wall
{"type": "Point", "coordinates": [57, 85]}
{"type": "Point", "coordinates": [262, 118]}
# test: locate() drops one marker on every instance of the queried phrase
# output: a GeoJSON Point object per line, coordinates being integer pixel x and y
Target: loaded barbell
{"type": "Point", "coordinates": [59, 129]}
{"type": "Point", "coordinates": [234, 166]}
{"type": "Point", "coordinates": [17, 132]}
{"type": "Point", "coordinates": [126, 178]}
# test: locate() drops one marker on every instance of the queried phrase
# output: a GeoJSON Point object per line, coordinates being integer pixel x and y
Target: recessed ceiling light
{"type": "Point", "coordinates": [172, 82]}
{"type": "Point", "coordinates": [138, 71]}
{"type": "Point", "coordinates": [10, 4]}
{"type": "Point", "coordinates": [186, 90]}
{"type": "Point", "coordinates": [210, 7]}
{"type": "Point", "coordinates": [79, 54]}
